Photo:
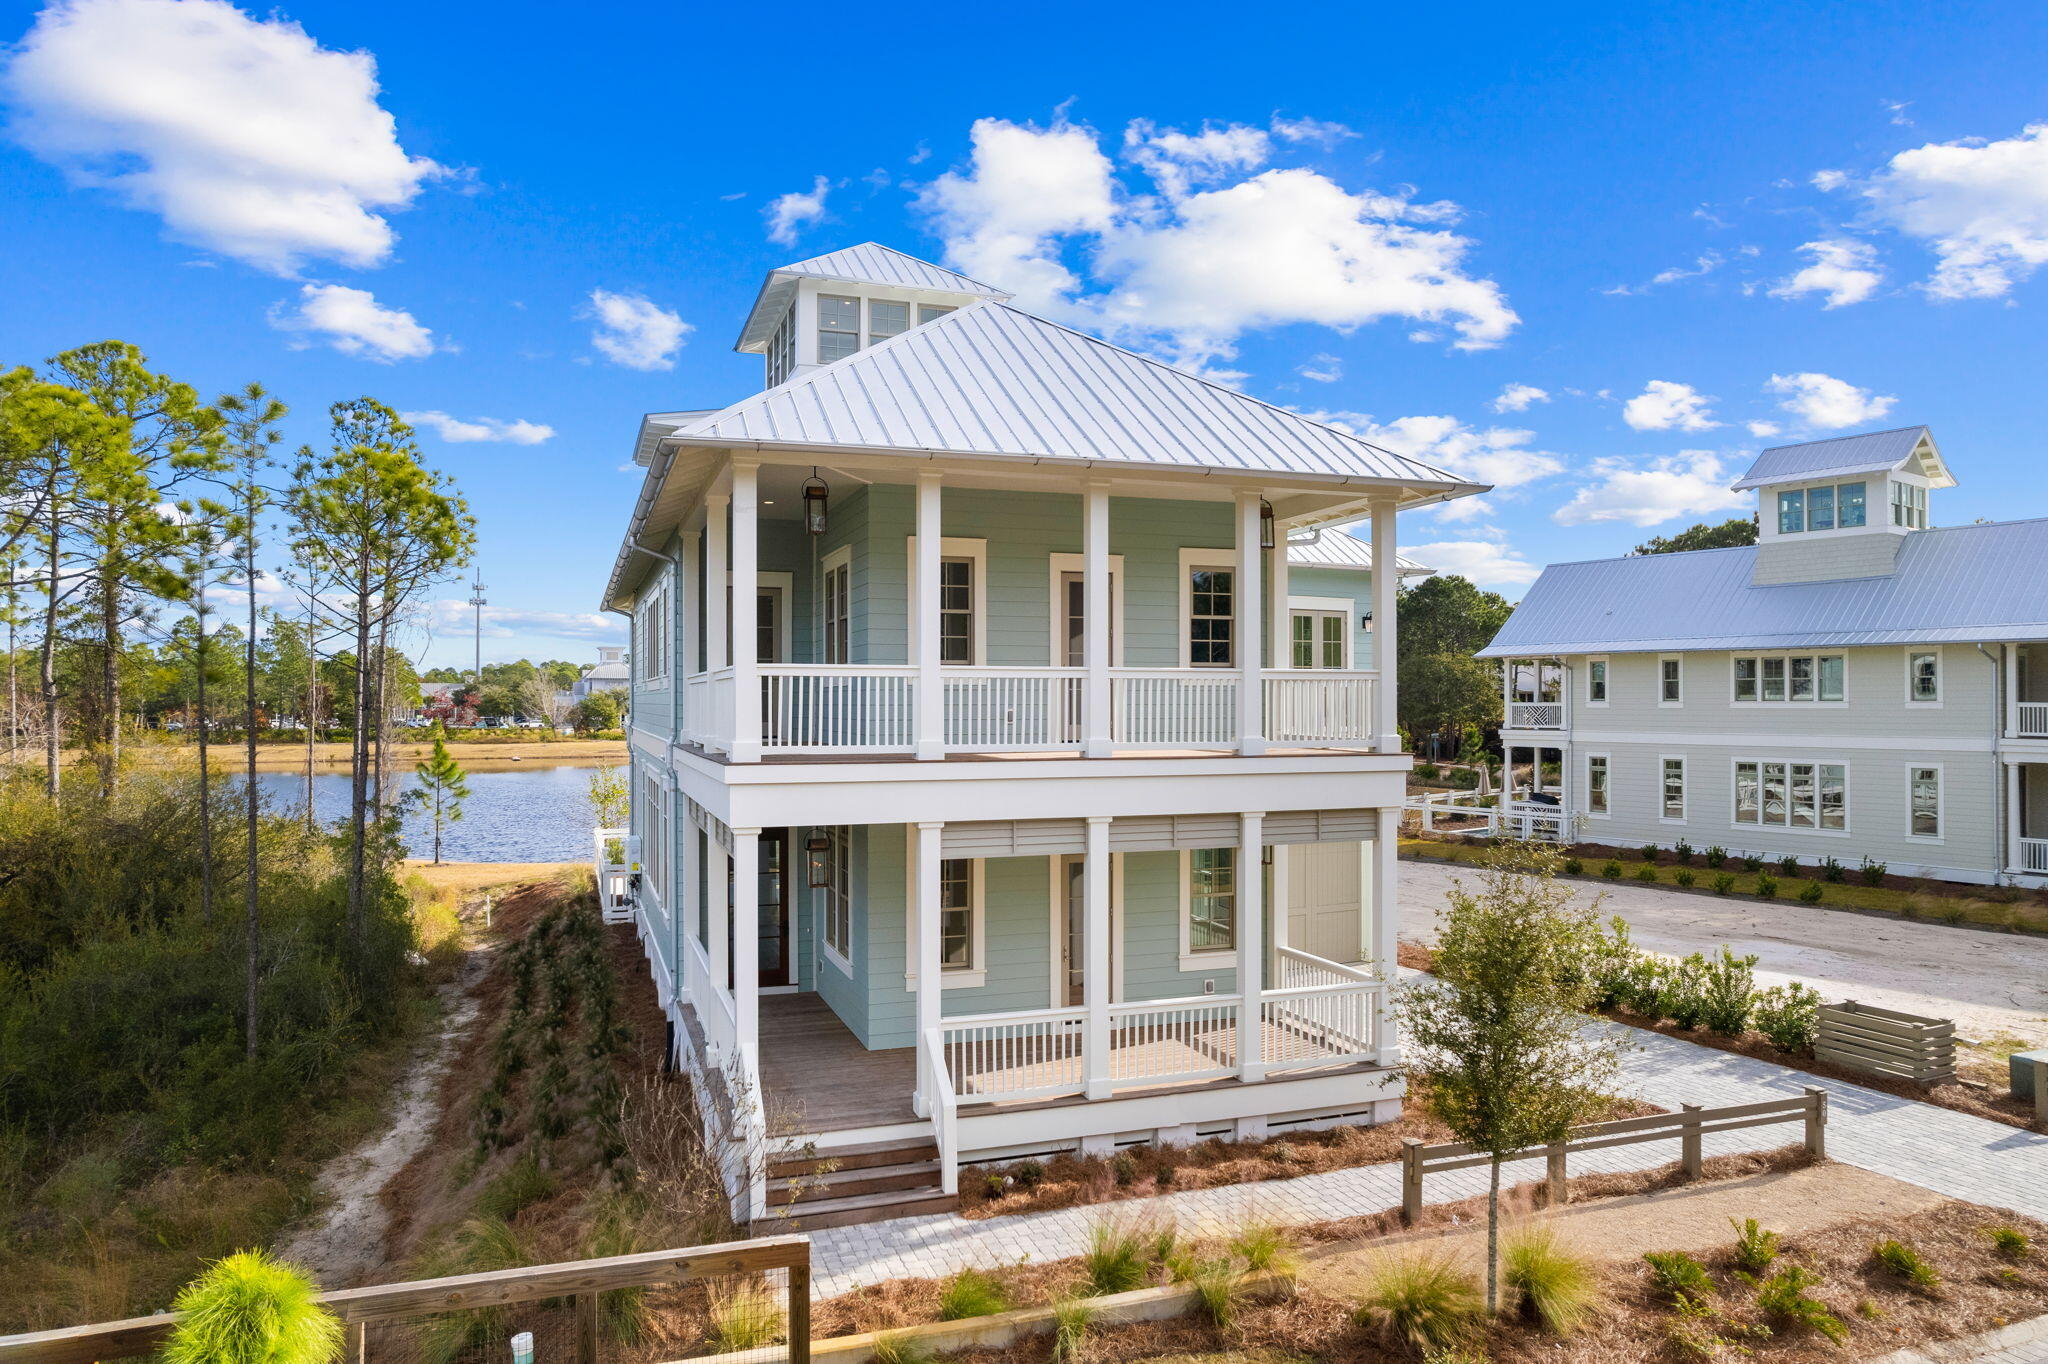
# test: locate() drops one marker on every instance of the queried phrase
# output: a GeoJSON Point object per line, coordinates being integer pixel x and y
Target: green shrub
{"type": "Point", "coordinates": [1649, 852]}
{"type": "Point", "coordinates": [1573, 866]}
{"type": "Point", "coordinates": [518, 1187]}
{"type": "Point", "coordinates": [1683, 999]}
{"type": "Point", "coordinates": [252, 1309]}
{"type": "Point", "coordinates": [2010, 1242]}
{"type": "Point", "coordinates": [1072, 1317]}
{"type": "Point", "coordinates": [1832, 869]}
{"type": "Point", "coordinates": [1905, 1262]}
{"type": "Point", "coordinates": [1766, 886]}
{"type": "Point", "coordinates": [1727, 993]}
{"type": "Point", "coordinates": [1788, 1015]}
{"type": "Point", "coordinates": [1646, 873]}
{"type": "Point", "coordinates": [1784, 1299]}
{"type": "Point", "coordinates": [1423, 1299]}
{"type": "Point", "coordinates": [1029, 1174]}
{"type": "Point", "coordinates": [1115, 1260]}
{"type": "Point", "coordinates": [1681, 853]}
{"type": "Point", "coordinates": [1165, 1175]}
{"type": "Point", "coordinates": [1752, 865]}
{"type": "Point", "coordinates": [1873, 872]}
{"type": "Point", "coordinates": [1755, 1247]}
{"type": "Point", "coordinates": [1427, 771]}
{"type": "Point", "coordinates": [745, 1317]}
{"type": "Point", "coordinates": [1716, 855]}
{"type": "Point", "coordinates": [1724, 882]}
{"type": "Point", "coordinates": [1683, 876]}
{"type": "Point", "coordinates": [1810, 893]}
{"type": "Point", "coordinates": [1215, 1284]}
{"type": "Point", "coordinates": [1614, 960]}
{"type": "Point", "coordinates": [971, 1293]}
{"type": "Point", "coordinates": [1558, 1287]}
{"type": "Point", "coordinates": [1788, 866]}
{"type": "Point", "coordinates": [1676, 1273]}
{"type": "Point", "coordinates": [1124, 1170]}
{"type": "Point", "coordinates": [1612, 870]}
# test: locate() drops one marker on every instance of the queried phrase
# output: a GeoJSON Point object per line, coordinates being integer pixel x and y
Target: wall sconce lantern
{"type": "Point", "coordinates": [1265, 524]}
{"type": "Point", "coordinates": [818, 861]}
{"type": "Point", "coordinates": [815, 494]}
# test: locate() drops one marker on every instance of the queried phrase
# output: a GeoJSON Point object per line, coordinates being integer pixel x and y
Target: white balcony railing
{"type": "Point", "coordinates": [2034, 855]}
{"type": "Point", "coordinates": [1321, 1025]}
{"type": "Point", "coordinates": [840, 709]}
{"type": "Point", "coordinates": [2032, 720]}
{"type": "Point", "coordinates": [1172, 708]}
{"type": "Point", "coordinates": [616, 862]}
{"type": "Point", "coordinates": [994, 710]}
{"type": "Point", "coordinates": [1313, 708]}
{"type": "Point", "coordinates": [1535, 715]}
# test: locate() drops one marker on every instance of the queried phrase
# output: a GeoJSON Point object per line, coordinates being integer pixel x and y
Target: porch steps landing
{"type": "Point", "coordinates": [853, 1184]}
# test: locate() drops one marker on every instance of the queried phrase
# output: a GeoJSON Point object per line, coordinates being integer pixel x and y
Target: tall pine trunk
{"type": "Point", "coordinates": [359, 759]}
{"type": "Point", "coordinates": [312, 703]}
{"type": "Point", "coordinates": [48, 660]}
{"type": "Point", "coordinates": [205, 777]}
{"type": "Point", "coordinates": [110, 674]}
{"type": "Point", "coordinates": [249, 917]}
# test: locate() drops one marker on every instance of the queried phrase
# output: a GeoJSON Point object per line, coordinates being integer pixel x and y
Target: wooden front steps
{"type": "Point", "coordinates": [854, 1184]}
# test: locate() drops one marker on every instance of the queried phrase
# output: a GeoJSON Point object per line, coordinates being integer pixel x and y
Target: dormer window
{"type": "Point", "coordinates": [886, 320]}
{"type": "Point", "coordinates": [1833, 506]}
{"type": "Point", "coordinates": [782, 349]}
{"type": "Point", "coordinates": [1909, 506]}
{"type": "Point", "coordinates": [838, 327]}
{"type": "Point", "coordinates": [928, 312]}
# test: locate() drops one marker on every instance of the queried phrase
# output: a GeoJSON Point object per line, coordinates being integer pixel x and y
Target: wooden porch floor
{"type": "Point", "coordinates": [817, 1077]}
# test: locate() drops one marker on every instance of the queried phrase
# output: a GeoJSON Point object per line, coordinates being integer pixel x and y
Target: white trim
{"type": "Point", "coordinates": [823, 899]}
{"type": "Point", "coordinates": [1940, 679]}
{"type": "Point", "coordinates": [975, 973]}
{"type": "Point", "coordinates": [1056, 985]}
{"type": "Point", "coordinates": [1058, 565]}
{"type": "Point", "coordinates": [1207, 959]}
{"type": "Point", "coordinates": [1662, 659]}
{"type": "Point", "coordinates": [1913, 742]}
{"type": "Point", "coordinates": [829, 564]}
{"type": "Point", "coordinates": [1608, 760]}
{"type": "Point", "coordinates": [1190, 560]}
{"type": "Point", "coordinates": [952, 547]}
{"type": "Point", "coordinates": [1848, 828]}
{"type": "Point", "coordinates": [1684, 781]}
{"type": "Point", "coordinates": [1335, 606]}
{"type": "Point", "coordinates": [1940, 834]}
{"type": "Point", "coordinates": [1606, 677]}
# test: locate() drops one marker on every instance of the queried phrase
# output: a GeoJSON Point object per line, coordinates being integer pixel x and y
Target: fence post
{"type": "Point", "coordinates": [800, 1309]}
{"type": "Point", "coordinates": [358, 1351]}
{"type": "Point", "coordinates": [1689, 1154]}
{"type": "Point", "coordinates": [1816, 1122]}
{"type": "Point", "coordinates": [586, 1328]}
{"type": "Point", "coordinates": [1411, 1181]}
{"type": "Point", "coordinates": [1557, 1192]}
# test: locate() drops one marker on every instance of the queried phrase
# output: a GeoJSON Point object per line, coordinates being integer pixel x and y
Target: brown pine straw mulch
{"type": "Point", "coordinates": [1999, 1106]}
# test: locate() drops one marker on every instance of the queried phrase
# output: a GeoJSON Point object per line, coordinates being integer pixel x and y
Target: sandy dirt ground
{"type": "Point", "coordinates": [1991, 984]}
{"type": "Point", "coordinates": [476, 757]}
{"type": "Point", "coordinates": [1694, 1218]}
{"type": "Point", "coordinates": [468, 877]}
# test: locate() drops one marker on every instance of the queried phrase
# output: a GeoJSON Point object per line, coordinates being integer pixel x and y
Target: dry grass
{"type": "Point", "coordinates": [1070, 1181]}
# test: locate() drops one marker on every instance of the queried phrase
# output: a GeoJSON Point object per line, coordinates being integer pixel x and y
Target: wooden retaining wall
{"type": "Point", "coordinates": [1876, 1041]}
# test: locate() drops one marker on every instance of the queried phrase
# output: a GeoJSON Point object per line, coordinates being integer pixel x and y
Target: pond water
{"type": "Point", "coordinates": [532, 813]}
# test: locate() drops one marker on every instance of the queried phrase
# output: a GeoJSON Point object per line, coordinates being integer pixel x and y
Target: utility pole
{"type": "Point", "coordinates": [476, 599]}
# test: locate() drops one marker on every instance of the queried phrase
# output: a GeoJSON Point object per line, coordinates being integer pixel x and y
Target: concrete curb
{"type": "Point", "coordinates": [1980, 1347]}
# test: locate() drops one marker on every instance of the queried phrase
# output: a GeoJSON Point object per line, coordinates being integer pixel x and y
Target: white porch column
{"type": "Point", "coordinates": [1251, 950]}
{"type": "Point", "coordinates": [2013, 829]}
{"type": "Point", "coordinates": [1386, 578]}
{"type": "Point", "coordinates": [689, 593]}
{"type": "Point", "coordinates": [931, 690]}
{"type": "Point", "coordinates": [926, 848]}
{"type": "Point", "coordinates": [1095, 910]}
{"type": "Point", "coordinates": [1096, 623]}
{"type": "Point", "coordinates": [1386, 928]}
{"type": "Point", "coordinates": [2012, 687]}
{"type": "Point", "coordinates": [1248, 636]}
{"type": "Point", "coordinates": [746, 651]}
{"type": "Point", "coordinates": [1279, 615]}
{"type": "Point", "coordinates": [718, 871]}
{"type": "Point", "coordinates": [746, 944]}
{"type": "Point", "coordinates": [1280, 895]}
{"type": "Point", "coordinates": [692, 898]}
{"type": "Point", "coordinates": [715, 570]}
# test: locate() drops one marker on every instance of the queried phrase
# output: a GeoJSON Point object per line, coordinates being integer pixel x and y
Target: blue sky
{"type": "Point", "coordinates": [1695, 229]}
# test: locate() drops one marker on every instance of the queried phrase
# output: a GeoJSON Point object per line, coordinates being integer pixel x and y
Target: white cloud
{"type": "Point", "coordinates": [1192, 273]}
{"type": "Point", "coordinates": [354, 323]}
{"type": "Point", "coordinates": [1176, 161]}
{"type": "Point", "coordinates": [1763, 428]}
{"type": "Point", "coordinates": [1490, 562]}
{"type": "Point", "coordinates": [635, 332]}
{"type": "Point", "coordinates": [1324, 369]}
{"type": "Point", "coordinates": [789, 212]}
{"type": "Point", "coordinates": [245, 135]}
{"type": "Point", "coordinates": [1689, 483]}
{"type": "Point", "coordinates": [1518, 397]}
{"type": "Point", "coordinates": [451, 615]}
{"type": "Point", "coordinates": [1822, 401]}
{"type": "Point", "coordinates": [1667, 406]}
{"type": "Point", "coordinates": [1828, 181]}
{"type": "Point", "coordinates": [1981, 207]}
{"type": "Point", "coordinates": [1498, 455]}
{"type": "Point", "coordinates": [1843, 268]}
{"type": "Point", "coordinates": [1702, 265]}
{"type": "Point", "coordinates": [1318, 131]}
{"type": "Point", "coordinates": [456, 431]}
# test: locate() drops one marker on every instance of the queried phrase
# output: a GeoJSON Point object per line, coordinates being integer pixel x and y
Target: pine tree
{"type": "Point", "coordinates": [443, 786]}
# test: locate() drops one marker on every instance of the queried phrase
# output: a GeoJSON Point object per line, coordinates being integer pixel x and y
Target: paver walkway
{"type": "Point", "coordinates": [1952, 1153]}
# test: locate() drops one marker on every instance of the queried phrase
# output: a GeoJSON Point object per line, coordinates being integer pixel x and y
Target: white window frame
{"type": "Point", "coordinates": [655, 637]}
{"type": "Point", "coordinates": [952, 547]}
{"type": "Point", "coordinates": [1190, 560]}
{"type": "Point", "coordinates": [1207, 958]}
{"type": "Point", "coordinates": [1606, 761]}
{"type": "Point", "coordinates": [868, 319]}
{"type": "Point", "coordinates": [1606, 667]}
{"type": "Point", "coordinates": [1334, 606]}
{"type": "Point", "coordinates": [839, 560]}
{"type": "Point", "coordinates": [1759, 659]}
{"type": "Point", "coordinates": [859, 332]}
{"type": "Point", "coordinates": [1664, 760]}
{"type": "Point", "coordinates": [1933, 651]}
{"type": "Point", "coordinates": [1789, 761]}
{"type": "Point", "coordinates": [834, 835]}
{"type": "Point", "coordinates": [971, 976]}
{"type": "Point", "coordinates": [1940, 834]}
{"type": "Point", "coordinates": [1662, 701]}
{"type": "Point", "coordinates": [1058, 566]}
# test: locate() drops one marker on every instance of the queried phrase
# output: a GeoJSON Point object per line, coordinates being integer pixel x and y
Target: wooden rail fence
{"type": "Point", "coordinates": [384, 1304]}
{"type": "Point", "coordinates": [1689, 1126]}
{"type": "Point", "coordinates": [1885, 1042]}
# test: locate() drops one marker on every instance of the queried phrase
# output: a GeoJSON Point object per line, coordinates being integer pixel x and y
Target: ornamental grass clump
{"type": "Point", "coordinates": [1557, 1286]}
{"type": "Point", "coordinates": [1072, 1319]}
{"type": "Point", "coordinates": [1421, 1299]}
{"type": "Point", "coordinates": [1266, 1249]}
{"type": "Point", "coordinates": [251, 1308]}
{"type": "Point", "coordinates": [745, 1317]}
{"type": "Point", "coordinates": [1115, 1261]}
{"type": "Point", "coordinates": [972, 1293]}
{"type": "Point", "coordinates": [1906, 1263]}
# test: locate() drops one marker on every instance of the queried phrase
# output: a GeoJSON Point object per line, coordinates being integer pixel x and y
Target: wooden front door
{"type": "Point", "coordinates": [1325, 888]}
{"type": "Point", "coordinates": [773, 899]}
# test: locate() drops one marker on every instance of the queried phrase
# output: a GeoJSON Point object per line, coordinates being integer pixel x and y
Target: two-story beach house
{"type": "Point", "coordinates": [1858, 684]}
{"type": "Point", "coordinates": [1012, 769]}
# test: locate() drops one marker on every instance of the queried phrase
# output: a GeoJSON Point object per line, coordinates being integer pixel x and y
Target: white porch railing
{"type": "Point", "coordinates": [717, 1013]}
{"type": "Point", "coordinates": [937, 1086]}
{"type": "Point", "coordinates": [1321, 1025]}
{"type": "Point", "coordinates": [1173, 708]}
{"type": "Point", "coordinates": [993, 710]}
{"type": "Point", "coordinates": [1535, 715]}
{"type": "Point", "coordinates": [1534, 822]}
{"type": "Point", "coordinates": [1454, 812]}
{"type": "Point", "coordinates": [839, 709]}
{"type": "Point", "coordinates": [1167, 1041]}
{"type": "Point", "coordinates": [616, 861]}
{"type": "Point", "coordinates": [1032, 1053]}
{"type": "Point", "coordinates": [2034, 855]}
{"type": "Point", "coordinates": [2032, 719]}
{"type": "Point", "coordinates": [1308, 707]}
{"type": "Point", "coordinates": [1299, 970]}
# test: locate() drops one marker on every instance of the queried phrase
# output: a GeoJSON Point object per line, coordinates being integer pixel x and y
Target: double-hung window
{"type": "Point", "coordinates": [929, 312]}
{"type": "Point", "coordinates": [838, 327]}
{"type": "Point", "coordinates": [838, 893]}
{"type": "Point", "coordinates": [1924, 802]}
{"type": "Point", "coordinates": [886, 319]}
{"type": "Point", "coordinates": [1670, 681]}
{"type": "Point", "coordinates": [1596, 784]}
{"type": "Point", "coordinates": [1792, 795]}
{"type": "Point", "coordinates": [1789, 677]}
{"type": "Point", "coordinates": [1909, 506]}
{"type": "Point", "coordinates": [1596, 682]}
{"type": "Point", "coordinates": [1923, 677]}
{"type": "Point", "coordinates": [838, 604]}
{"type": "Point", "coordinates": [956, 611]}
{"type": "Point", "coordinates": [1212, 608]}
{"type": "Point", "coordinates": [1673, 790]}
{"type": "Point", "coordinates": [956, 914]}
{"type": "Point", "coordinates": [1212, 899]}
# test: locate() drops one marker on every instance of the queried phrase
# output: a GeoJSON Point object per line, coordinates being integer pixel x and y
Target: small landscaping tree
{"type": "Point", "coordinates": [252, 1309]}
{"type": "Point", "coordinates": [1500, 1031]}
{"type": "Point", "coordinates": [443, 786]}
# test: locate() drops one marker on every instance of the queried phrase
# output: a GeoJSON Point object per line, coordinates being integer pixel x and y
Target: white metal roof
{"type": "Point", "coordinates": [1955, 584]}
{"type": "Point", "coordinates": [1341, 549]}
{"type": "Point", "coordinates": [991, 379]}
{"type": "Point", "coordinates": [868, 263]}
{"type": "Point", "coordinates": [1874, 452]}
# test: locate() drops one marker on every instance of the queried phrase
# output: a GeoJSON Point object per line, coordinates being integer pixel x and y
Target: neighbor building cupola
{"type": "Point", "coordinates": [1840, 508]}
{"type": "Point", "coordinates": [829, 307]}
